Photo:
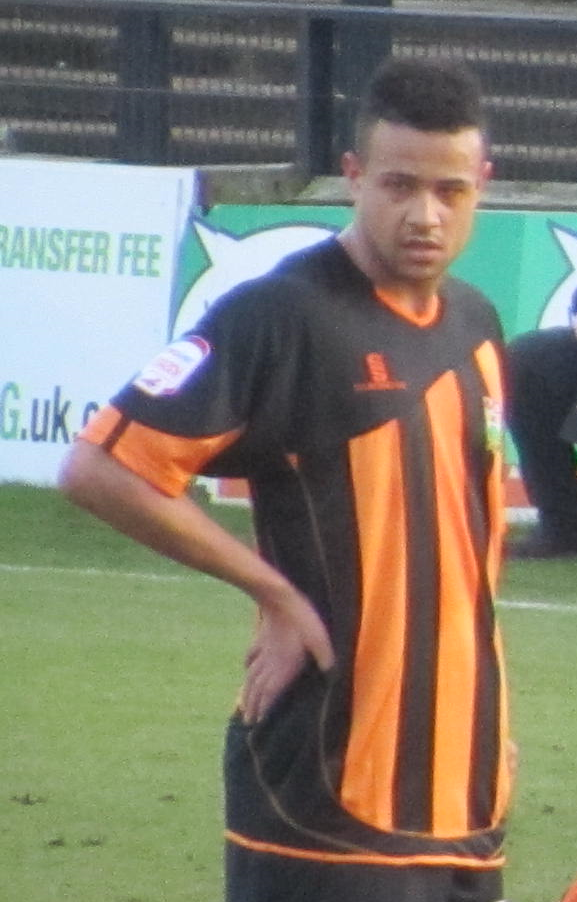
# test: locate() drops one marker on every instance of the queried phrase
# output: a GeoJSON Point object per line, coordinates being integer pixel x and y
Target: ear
{"type": "Point", "coordinates": [352, 170]}
{"type": "Point", "coordinates": [486, 173]}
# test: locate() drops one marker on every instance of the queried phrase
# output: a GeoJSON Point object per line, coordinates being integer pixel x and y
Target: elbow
{"type": "Point", "coordinates": [74, 479]}
{"type": "Point", "coordinates": [68, 481]}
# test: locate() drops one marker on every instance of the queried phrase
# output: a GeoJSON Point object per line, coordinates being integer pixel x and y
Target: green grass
{"type": "Point", "coordinates": [116, 689]}
{"type": "Point", "coordinates": [540, 645]}
{"type": "Point", "coordinates": [115, 693]}
{"type": "Point", "coordinates": [39, 527]}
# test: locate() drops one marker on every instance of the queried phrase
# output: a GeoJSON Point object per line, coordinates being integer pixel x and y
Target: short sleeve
{"type": "Point", "coordinates": [211, 401]}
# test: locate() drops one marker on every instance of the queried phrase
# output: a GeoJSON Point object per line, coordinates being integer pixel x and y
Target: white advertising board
{"type": "Point", "coordinates": [88, 253]}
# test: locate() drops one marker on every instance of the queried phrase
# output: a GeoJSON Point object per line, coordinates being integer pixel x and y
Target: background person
{"type": "Point", "coordinates": [359, 391]}
{"type": "Point", "coordinates": [543, 424]}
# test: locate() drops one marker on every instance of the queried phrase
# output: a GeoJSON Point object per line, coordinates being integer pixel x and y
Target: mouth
{"type": "Point", "coordinates": [422, 244]}
{"type": "Point", "coordinates": [422, 249]}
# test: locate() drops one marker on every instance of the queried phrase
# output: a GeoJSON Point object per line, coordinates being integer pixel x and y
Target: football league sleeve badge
{"type": "Point", "coordinates": [173, 366]}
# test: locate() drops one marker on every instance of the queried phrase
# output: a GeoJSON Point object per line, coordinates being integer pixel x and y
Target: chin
{"type": "Point", "coordinates": [423, 276]}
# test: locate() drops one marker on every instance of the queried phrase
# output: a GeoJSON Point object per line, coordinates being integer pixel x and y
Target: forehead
{"type": "Point", "coordinates": [399, 148]}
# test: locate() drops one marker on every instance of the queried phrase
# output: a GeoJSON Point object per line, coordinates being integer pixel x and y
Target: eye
{"type": "Point", "coordinates": [452, 192]}
{"type": "Point", "coordinates": [398, 185]}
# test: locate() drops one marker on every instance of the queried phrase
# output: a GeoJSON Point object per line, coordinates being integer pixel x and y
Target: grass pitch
{"type": "Point", "coordinates": [120, 669]}
{"type": "Point", "coordinates": [116, 690]}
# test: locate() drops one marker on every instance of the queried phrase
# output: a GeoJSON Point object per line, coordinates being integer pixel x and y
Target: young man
{"type": "Point", "coordinates": [542, 418]}
{"type": "Point", "coordinates": [359, 390]}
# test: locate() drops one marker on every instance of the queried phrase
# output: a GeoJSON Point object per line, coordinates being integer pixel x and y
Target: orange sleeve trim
{"type": "Point", "coordinates": [364, 857]}
{"type": "Point", "coordinates": [165, 461]}
{"type": "Point", "coordinates": [101, 425]}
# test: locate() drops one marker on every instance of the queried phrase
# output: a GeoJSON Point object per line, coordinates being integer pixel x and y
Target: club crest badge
{"type": "Point", "coordinates": [494, 426]}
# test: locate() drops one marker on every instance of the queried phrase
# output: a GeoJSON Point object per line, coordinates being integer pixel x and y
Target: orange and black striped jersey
{"type": "Point", "coordinates": [371, 441]}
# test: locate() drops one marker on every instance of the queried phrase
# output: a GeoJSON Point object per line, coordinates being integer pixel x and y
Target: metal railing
{"type": "Point", "coordinates": [168, 82]}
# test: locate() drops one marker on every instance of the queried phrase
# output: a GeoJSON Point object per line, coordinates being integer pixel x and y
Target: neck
{"type": "Point", "coordinates": [415, 296]}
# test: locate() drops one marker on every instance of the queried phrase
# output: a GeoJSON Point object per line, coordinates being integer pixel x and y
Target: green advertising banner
{"type": "Point", "coordinates": [525, 262]}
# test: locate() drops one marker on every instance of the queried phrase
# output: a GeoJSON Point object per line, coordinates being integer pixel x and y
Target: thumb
{"type": "Point", "coordinates": [322, 651]}
{"type": "Point", "coordinates": [316, 639]}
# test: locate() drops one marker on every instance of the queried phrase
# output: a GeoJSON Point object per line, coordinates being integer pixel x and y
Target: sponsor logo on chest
{"type": "Point", "coordinates": [378, 374]}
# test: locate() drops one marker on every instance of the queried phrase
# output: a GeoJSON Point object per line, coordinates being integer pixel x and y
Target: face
{"type": "Point", "coordinates": [415, 195]}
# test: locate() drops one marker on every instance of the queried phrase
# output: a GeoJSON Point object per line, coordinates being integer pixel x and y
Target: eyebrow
{"type": "Point", "coordinates": [455, 183]}
{"type": "Point", "coordinates": [409, 177]}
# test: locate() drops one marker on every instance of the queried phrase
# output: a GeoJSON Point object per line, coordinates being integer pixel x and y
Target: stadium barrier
{"type": "Point", "coordinates": [188, 83]}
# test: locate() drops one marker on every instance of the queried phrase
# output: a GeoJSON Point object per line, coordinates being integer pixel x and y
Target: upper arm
{"type": "Point", "coordinates": [90, 477]}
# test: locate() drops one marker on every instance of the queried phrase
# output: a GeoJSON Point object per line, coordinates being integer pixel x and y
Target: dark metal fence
{"type": "Point", "coordinates": [168, 82]}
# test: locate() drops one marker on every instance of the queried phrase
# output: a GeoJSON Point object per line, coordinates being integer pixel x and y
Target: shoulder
{"type": "Point", "coordinates": [458, 290]}
{"type": "Point", "coordinates": [473, 305]}
{"type": "Point", "coordinates": [281, 297]}
{"type": "Point", "coordinates": [304, 267]}
{"type": "Point", "coordinates": [540, 337]}
{"type": "Point", "coordinates": [528, 348]}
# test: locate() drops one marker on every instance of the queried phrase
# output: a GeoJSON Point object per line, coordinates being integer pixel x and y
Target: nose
{"type": "Point", "coordinates": [423, 211]}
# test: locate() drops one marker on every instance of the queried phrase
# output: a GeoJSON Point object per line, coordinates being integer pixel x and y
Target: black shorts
{"type": "Point", "coordinates": [261, 877]}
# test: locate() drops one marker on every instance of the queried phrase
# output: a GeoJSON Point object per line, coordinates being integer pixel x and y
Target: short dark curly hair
{"type": "Point", "coordinates": [424, 94]}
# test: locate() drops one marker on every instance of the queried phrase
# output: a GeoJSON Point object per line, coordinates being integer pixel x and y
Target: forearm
{"type": "Point", "coordinates": [177, 528]}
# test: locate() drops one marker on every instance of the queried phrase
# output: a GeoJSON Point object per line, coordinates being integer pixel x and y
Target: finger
{"type": "Point", "coordinates": [257, 703]}
{"type": "Point", "coordinates": [324, 656]}
{"type": "Point", "coordinates": [259, 691]}
{"type": "Point", "coordinates": [248, 704]}
{"type": "Point", "coordinates": [250, 693]}
{"type": "Point", "coordinates": [315, 637]}
{"type": "Point", "coordinates": [251, 655]}
{"type": "Point", "coordinates": [267, 695]}
{"type": "Point", "coordinates": [263, 686]}
{"type": "Point", "coordinates": [320, 647]}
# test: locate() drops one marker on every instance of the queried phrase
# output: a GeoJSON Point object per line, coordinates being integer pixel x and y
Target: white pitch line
{"type": "Point", "coordinates": [539, 606]}
{"type": "Point", "coordinates": [91, 571]}
{"type": "Point", "coordinates": [159, 577]}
